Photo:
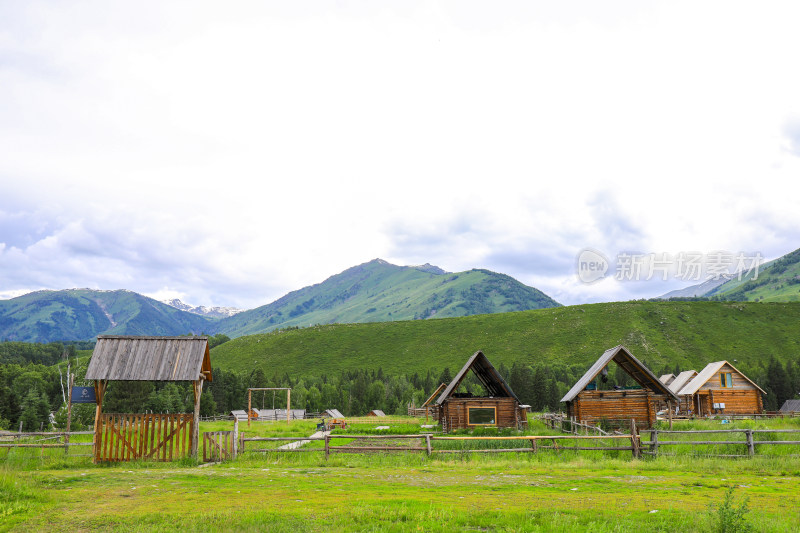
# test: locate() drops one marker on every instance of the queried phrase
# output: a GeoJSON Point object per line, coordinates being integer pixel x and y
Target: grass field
{"type": "Point", "coordinates": [549, 491]}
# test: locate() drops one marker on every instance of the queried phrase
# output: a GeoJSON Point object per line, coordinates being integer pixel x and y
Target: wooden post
{"type": "Point", "coordinates": [288, 401]}
{"type": "Point", "coordinates": [99, 390]}
{"type": "Point", "coordinates": [428, 444]}
{"type": "Point", "coordinates": [198, 391]}
{"type": "Point", "coordinates": [669, 410]}
{"type": "Point", "coordinates": [70, 380]}
{"type": "Point", "coordinates": [634, 440]}
{"type": "Point", "coordinates": [654, 442]}
{"type": "Point", "coordinates": [250, 405]}
{"type": "Point", "coordinates": [235, 436]}
{"type": "Point", "coordinates": [751, 447]}
{"type": "Point", "coordinates": [327, 446]}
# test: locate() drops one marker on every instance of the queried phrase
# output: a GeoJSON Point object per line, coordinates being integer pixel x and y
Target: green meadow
{"type": "Point", "coordinates": [546, 491]}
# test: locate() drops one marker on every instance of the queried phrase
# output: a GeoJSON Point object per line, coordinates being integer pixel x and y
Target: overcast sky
{"type": "Point", "coordinates": [227, 153]}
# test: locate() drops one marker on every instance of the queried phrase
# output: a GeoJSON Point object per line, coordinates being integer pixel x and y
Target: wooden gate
{"type": "Point", "coordinates": [127, 437]}
{"type": "Point", "coordinates": [218, 446]}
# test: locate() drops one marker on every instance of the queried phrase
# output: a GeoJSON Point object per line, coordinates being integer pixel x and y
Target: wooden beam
{"type": "Point", "coordinates": [198, 391]}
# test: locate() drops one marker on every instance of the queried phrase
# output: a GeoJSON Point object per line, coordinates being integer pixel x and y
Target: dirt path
{"type": "Point", "coordinates": [298, 443]}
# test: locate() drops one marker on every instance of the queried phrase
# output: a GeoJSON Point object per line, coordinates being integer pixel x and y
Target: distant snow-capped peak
{"type": "Point", "coordinates": [216, 312]}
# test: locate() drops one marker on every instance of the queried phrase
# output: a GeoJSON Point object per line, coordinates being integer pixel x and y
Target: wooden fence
{"type": "Point", "coordinates": [46, 439]}
{"type": "Point", "coordinates": [750, 442]}
{"type": "Point", "coordinates": [570, 425]}
{"type": "Point", "coordinates": [534, 443]}
{"type": "Point", "coordinates": [127, 437]}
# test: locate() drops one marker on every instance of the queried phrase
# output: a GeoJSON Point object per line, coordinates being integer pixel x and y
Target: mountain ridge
{"type": "Point", "coordinates": [379, 291]}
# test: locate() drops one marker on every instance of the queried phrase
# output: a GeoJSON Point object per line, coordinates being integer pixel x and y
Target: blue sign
{"type": "Point", "coordinates": [83, 395]}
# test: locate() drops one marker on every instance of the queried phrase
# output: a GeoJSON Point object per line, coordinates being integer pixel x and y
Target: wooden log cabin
{"type": "Point", "coordinates": [499, 408]}
{"type": "Point", "coordinates": [721, 389]}
{"type": "Point", "coordinates": [588, 403]}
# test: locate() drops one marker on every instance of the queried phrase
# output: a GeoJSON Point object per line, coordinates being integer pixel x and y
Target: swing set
{"type": "Point", "coordinates": [265, 389]}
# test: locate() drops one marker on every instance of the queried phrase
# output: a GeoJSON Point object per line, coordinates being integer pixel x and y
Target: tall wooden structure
{"type": "Point", "coordinates": [721, 389]}
{"type": "Point", "coordinates": [588, 403]}
{"type": "Point", "coordinates": [500, 408]}
{"type": "Point", "coordinates": [128, 358]}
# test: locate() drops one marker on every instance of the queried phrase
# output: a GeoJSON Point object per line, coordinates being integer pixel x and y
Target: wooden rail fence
{"type": "Point", "coordinates": [532, 447]}
{"type": "Point", "coordinates": [749, 441]}
{"type": "Point", "coordinates": [47, 439]}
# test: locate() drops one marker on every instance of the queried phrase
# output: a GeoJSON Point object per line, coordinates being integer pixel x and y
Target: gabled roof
{"type": "Point", "coordinates": [490, 378]}
{"type": "Point", "coordinates": [632, 366]}
{"type": "Point", "coordinates": [681, 381]}
{"type": "Point", "coordinates": [239, 413]}
{"type": "Point", "coordinates": [707, 373]}
{"type": "Point", "coordinates": [666, 379]}
{"type": "Point", "coordinates": [377, 412]}
{"type": "Point", "coordinates": [128, 358]}
{"type": "Point", "coordinates": [333, 413]}
{"type": "Point", "coordinates": [790, 406]}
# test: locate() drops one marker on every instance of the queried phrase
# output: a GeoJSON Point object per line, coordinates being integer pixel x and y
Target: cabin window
{"type": "Point", "coordinates": [481, 416]}
{"type": "Point", "coordinates": [726, 379]}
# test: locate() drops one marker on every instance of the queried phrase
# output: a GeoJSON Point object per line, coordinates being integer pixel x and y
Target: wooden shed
{"type": "Point", "coordinates": [124, 436]}
{"type": "Point", "coordinates": [721, 389]}
{"type": "Point", "coordinates": [376, 412]}
{"type": "Point", "coordinates": [500, 408]}
{"type": "Point", "coordinates": [588, 402]}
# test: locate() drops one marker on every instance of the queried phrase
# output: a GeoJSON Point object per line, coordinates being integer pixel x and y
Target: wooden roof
{"type": "Point", "coordinates": [333, 413]}
{"type": "Point", "coordinates": [707, 373]}
{"type": "Point", "coordinates": [632, 366]}
{"type": "Point", "coordinates": [666, 379]}
{"type": "Point", "coordinates": [376, 412]}
{"type": "Point", "coordinates": [490, 378]}
{"type": "Point", "coordinates": [681, 381]}
{"type": "Point", "coordinates": [129, 358]}
{"type": "Point", "coordinates": [790, 406]}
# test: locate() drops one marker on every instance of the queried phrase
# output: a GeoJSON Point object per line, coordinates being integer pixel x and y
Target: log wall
{"type": "Point", "coordinates": [453, 412]}
{"type": "Point", "coordinates": [616, 407]}
{"type": "Point", "coordinates": [737, 402]}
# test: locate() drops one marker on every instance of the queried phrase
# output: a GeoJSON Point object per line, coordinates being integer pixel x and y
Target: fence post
{"type": "Point", "coordinates": [654, 442]}
{"type": "Point", "coordinates": [428, 444]}
{"type": "Point", "coordinates": [634, 440]}
{"type": "Point", "coordinates": [327, 446]}
{"type": "Point", "coordinates": [751, 447]}
{"type": "Point", "coordinates": [235, 437]}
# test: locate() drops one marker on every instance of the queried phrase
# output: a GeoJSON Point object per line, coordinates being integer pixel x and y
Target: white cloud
{"type": "Point", "coordinates": [230, 155]}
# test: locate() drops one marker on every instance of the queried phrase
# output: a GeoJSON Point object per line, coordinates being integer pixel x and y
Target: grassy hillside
{"type": "Point", "coordinates": [81, 314]}
{"type": "Point", "coordinates": [779, 281]}
{"type": "Point", "coordinates": [687, 334]}
{"type": "Point", "coordinates": [379, 292]}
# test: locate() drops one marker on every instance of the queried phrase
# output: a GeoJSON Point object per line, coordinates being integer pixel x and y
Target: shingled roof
{"type": "Point", "coordinates": [129, 358]}
{"type": "Point", "coordinates": [632, 366]}
{"type": "Point", "coordinates": [490, 378]}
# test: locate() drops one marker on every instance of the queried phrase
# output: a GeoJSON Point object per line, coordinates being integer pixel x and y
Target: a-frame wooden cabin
{"type": "Point", "coordinates": [500, 408]}
{"type": "Point", "coordinates": [587, 403]}
{"type": "Point", "coordinates": [721, 389]}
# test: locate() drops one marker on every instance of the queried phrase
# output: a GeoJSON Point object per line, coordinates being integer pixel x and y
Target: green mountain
{"type": "Point", "coordinates": [378, 291]}
{"type": "Point", "coordinates": [684, 334]}
{"type": "Point", "coordinates": [777, 281]}
{"type": "Point", "coordinates": [81, 314]}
